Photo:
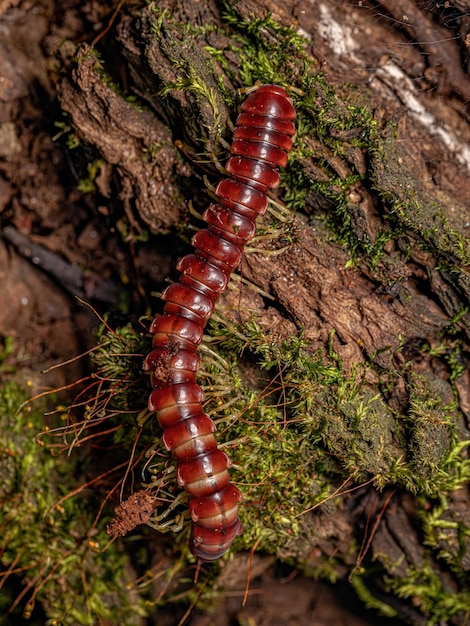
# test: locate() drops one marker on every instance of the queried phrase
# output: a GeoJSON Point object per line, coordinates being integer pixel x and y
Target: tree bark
{"type": "Point", "coordinates": [379, 265]}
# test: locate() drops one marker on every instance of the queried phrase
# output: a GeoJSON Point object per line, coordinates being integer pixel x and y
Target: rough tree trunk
{"type": "Point", "coordinates": [373, 271]}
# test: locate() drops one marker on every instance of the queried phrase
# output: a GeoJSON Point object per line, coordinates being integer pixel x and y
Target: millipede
{"type": "Point", "coordinates": [261, 141]}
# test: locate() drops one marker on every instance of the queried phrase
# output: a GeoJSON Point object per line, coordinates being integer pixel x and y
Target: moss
{"type": "Point", "coordinates": [430, 430]}
{"type": "Point", "coordinates": [435, 600]}
{"type": "Point", "coordinates": [87, 185]}
{"type": "Point", "coordinates": [424, 222]}
{"type": "Point", "coordinates": [299, 441]}
{"type": "Point", "coordinates": [100, 69]}
{"type": "Point", "coordinates": [193, 74]}
{"type": "Point", "coordinates": [446, 533]}
{"type": "Point", "coordinates": [370, 601]}
{"type": "Point", "coordinates": [342, 129]}
{"type": "Point", "coordinates": [65, 130]}
{"type": "Point", "coordinates": [299, 434]}
{"type": "Point", "coordinates": [349, 422]}
{"type": "Point", "coordinates": [265, 48]}
{"type": "Point", "coordinates": [64, 569]}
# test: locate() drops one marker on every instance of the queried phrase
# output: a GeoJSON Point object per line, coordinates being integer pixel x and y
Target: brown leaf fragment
{"type": "Point", "coordinates": [136, 510]}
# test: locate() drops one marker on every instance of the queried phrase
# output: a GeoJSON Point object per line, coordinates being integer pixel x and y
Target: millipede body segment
{"type": "Point", "coordinates": [261, 141]}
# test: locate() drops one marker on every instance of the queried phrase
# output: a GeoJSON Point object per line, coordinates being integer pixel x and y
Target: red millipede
{"type": "Point", "coordinates": [261, 141]}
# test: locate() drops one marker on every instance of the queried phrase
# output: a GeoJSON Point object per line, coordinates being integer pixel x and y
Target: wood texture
{"type": "Point", "coordinates": [406, 312]}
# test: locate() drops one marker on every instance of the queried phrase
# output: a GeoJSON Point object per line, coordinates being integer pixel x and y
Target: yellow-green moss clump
{"type": "Point", "coordinates": [54, 569]}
